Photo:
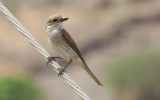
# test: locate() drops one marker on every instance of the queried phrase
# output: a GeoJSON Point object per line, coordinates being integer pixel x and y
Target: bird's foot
{"type": "Point", "coordinates": [61, 70]}
{"type": "Point", "coordinates": [52, 58]}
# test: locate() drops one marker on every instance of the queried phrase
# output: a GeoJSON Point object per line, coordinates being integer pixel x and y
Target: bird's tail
{"type": "Point", "coordinates": [92, 75]}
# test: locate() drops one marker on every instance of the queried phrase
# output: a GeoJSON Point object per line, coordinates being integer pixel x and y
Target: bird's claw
{"type": "Point", "coordinates": [49, 59]}
{"type": "Point", "coordinates": [61, 70]}
{"type": "Point", "coordinates": [52, 58]}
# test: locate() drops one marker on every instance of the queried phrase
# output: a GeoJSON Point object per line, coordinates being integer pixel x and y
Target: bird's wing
{"type": "Point", "coordinates": [73, 45]}
{"type": "Point", "coordinates": [71, 42]}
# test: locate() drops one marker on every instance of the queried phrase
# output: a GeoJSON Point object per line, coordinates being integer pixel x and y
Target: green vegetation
{"type": "Point", "coordinates": [17, 89]}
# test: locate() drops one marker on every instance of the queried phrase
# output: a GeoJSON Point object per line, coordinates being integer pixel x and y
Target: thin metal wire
{"type": "Point", "coordinates": [42, 51]}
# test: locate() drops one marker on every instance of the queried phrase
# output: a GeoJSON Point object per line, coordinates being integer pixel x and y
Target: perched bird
{"type": "Point", "coordinates": [64, 45]}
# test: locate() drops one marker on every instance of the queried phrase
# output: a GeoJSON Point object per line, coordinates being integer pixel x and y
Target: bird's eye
{"type": "Point", "coordinates": [55, 20]}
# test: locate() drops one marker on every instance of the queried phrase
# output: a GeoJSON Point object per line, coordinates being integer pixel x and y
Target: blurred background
{"type": "Point", "coordinates": [119, 39]}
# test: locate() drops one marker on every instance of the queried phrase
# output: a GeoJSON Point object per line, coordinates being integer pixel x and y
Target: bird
{"type": "Point", "coordinates": [64, 45]}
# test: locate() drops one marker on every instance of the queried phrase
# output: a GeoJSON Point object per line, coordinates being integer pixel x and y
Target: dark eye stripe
{"type": "Point", "coordinates": [55, 20]}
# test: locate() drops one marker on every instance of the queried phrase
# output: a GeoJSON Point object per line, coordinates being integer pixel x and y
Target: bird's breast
{"type": "Point", "coordinates": [62, 47]}
{"type": "Point", "coordinates": [56, 38]}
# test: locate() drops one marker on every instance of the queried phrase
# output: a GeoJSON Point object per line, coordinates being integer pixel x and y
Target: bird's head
{"type": "Point", "coordinates": [56, 20]}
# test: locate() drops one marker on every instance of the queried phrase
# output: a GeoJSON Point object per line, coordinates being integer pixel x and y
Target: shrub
{"type": "Point", "coordinates": [17, 89]}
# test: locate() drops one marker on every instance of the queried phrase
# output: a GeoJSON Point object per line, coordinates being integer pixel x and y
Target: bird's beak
{"type": "Point", "coordinates": [63, 19]}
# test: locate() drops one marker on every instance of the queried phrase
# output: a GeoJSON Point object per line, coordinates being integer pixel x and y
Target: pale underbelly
{"type": "Point", "coordinates": [65, 51]}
